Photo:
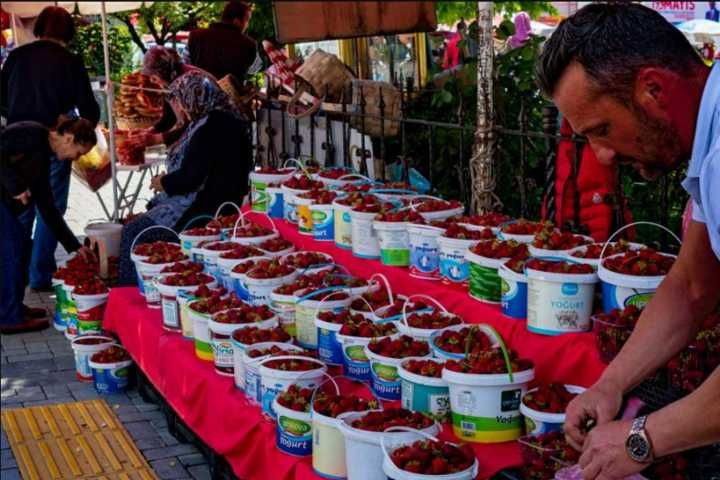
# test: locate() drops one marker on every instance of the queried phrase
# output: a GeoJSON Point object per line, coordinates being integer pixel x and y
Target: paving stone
{"type": "Point", "coordinates": [30, 393]}
{"type": "Point", "coordinates": [120, 409]}
{"type": "Point", "coordinates": [50, 401]}
{"type": "Point", "coordinates": [140, 430]}
{"type": "Point", "coordinates": [154, 415]}
{"type": "Point", "coordinates": [146, 407]}
{"type": "Point", "coordinates": [192, 459]}
{"type": "Point", "coordinates": [19, 350]}
{"type": "Point", "coordinates": [85, 394]}
{"type": "Point", "coordinates": [10, 474]}
{"type": "Point", "coordinates": [7, 460]}
{"type": "Point", "coordinates": [169, 469]}
{"type": "Point", "coordinates": [56, 390]}
{"type": "Point", "coordinates": [3, 360]}
{"type": "Point", "coordinates": [167, 437]}
{"type": "Point", "coordinates": [200, 472]}
{"type": "Point", "coordinates": [159, 423]}
{"type": "Point", "coordinates": [65, 362]}
{"type": "Point", "coordinates": [131, 417]}
{"type": "Point", "coordinates": [166, 452]}
{"type": "Point", "coordinates": [39, 347]}
{"type": "Point", "coordinates": [149, 443]}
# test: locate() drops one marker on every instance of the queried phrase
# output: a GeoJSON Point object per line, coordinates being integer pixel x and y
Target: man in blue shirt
{"type": "Point", "coordinates": [629, 81]}
{"type": "Point", "coordinates": [712, 13]}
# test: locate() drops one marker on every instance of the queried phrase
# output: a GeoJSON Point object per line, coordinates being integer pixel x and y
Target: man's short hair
{"type": "Point", "coordinates": [235, 10]}
{"type": "Point", "coordinates": [613, 41]}
{"type": "Point", "coordinates": [56, 23]}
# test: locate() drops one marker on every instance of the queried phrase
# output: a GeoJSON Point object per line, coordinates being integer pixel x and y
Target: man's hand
{"type": "Point", "coordinates": [87, 254]}
{"type": "Point", "coordinates": [600, 403]}
{"type": "Point", "coordinates": [156, 183]}
{"type": "Point", "coordinates": [24, 197]}
{"type": "Point", "coordinates": [604, 456]}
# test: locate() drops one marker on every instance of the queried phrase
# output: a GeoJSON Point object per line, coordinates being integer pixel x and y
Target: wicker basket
{"type": "Point", "coordinates": [125, 123]}
{"type": "Point", "coordinates": [242, 96]}
{"type": "Point", "coordinates": [371, 91]}
{"type": "Point", "coordinates": [327, 74]}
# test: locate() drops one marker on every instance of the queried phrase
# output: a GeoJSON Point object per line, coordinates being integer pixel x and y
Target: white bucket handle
{"type": "Point", "coordinates": [387, 285]}
{"type": "Point", "coordinates": [299, 164]}
{"type": "Point", "coordinates": [337, 387]}
{"type": "Point", "coordinates": [241, 221]}
{"type": "Point", "coordinates": [291, 357]}
{"type": "Point", "coordinates": [419, 295]}
{"type": "Point", "coordinates": [192, 220]}
{"type": "Point", "coordinates": [429, 228]}
{"type": "Point", "coordinates": [372, 310]}
{"type": "Point", "coordinates": [225, 204]}
{"type": "Point", "coordinates": [642, 222]}
{"type": "Point", "coordinates": [355, 175]}
{"type": "Point", "coordinates": [403, 429]}
{"type": "Point", "coordinates": [152, 227]}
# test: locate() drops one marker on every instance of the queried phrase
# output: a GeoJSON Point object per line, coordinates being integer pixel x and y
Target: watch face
{"type": "Point", "coordinates": [638, 447]}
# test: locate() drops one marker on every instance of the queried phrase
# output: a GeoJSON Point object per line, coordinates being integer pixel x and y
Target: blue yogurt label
{"type": "Point", "coordinates": [513, 298]}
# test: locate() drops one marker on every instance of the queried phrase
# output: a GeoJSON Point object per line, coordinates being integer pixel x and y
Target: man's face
{"type": "Point", "coordinates": [617, 133]}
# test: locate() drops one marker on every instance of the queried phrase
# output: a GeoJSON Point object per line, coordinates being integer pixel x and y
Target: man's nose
{"type": "Point", "coordinates": [605, 155]}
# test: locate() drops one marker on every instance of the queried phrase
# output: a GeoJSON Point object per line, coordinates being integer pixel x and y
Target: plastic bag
{"type": "Point", "coordinates": [93, 169]}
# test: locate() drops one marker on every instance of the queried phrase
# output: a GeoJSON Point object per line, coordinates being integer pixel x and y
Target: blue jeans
{"type": "Point", "coordinates": [42, 262]}
{"type": "Point", "coordinates": [15, 248]}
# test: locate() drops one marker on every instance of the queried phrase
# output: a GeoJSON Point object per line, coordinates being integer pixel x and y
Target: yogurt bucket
{"type": "Point", "coordinates": [84, 347]}
{"type": "Point", "coordinates": [306, 310]}
{"type": "Point", "coordinates": [111, 377]}
{"type": "Point", "coordinates": [355, 363]}
{"type": "Point", "coordinates": [486, 408]}
{"type": "Point", "coordinates": [537, 422]}
{"type": "Point", "coordinates": [293, 431]}
{"type": "Point", "coordinates": [260, 195]}
{"type": "Point", "coordinates": [275, 381]}
{"type": "Point", "coordinates": [304, 216]}
{"type": "Point", "coordinates": [513, 293]}
{"type": "Point", "coordinates": [276, 205]}
{"type": "Point", "coordinates": [90, 310]}
{"type": "Point", "coordinates": [323, 222]}
{"type": "Point", "coordinates": [453, 266]}
{"type": "Point", "coordinates": [342, 224]}
{"type": "Point", "coordinates": [423, 394]}
{"type": "Point", "coordinates": [484, 282]}
{"type": "Point", "coordinates": [136, 259]}
{"type": "Point", "coordinates": [363, 452]}
{"type": "Point", "coordinates": [620, 290]}
{"type": "Point", "coordinates": [247, 367]}
{"type": "Point", "coordinates": [394, 243]}
{"type": "Point", "coordinates": [364, 239]}
{"type": "Point", "coordinates": [329, 348]}
{"type": "Point", "coordinates": [170, 308]}
{"type": "Point", "coordinates": [436, 215]}
{"type": "Point", "coordinates": [328, 447]}
{"type": "Point", "coordinates": [59, 319]}
{"type": "Point", "coordinates": [71, 320]}
{"type": "Point", "coordinates": [188, 242]}
{"type": "Point", "coordinates": [284, 307]}
{"type": "Point", "coordinates": [201, 335]}
{"type": "Point", "coordinates": [148, 272]}
{"type": "Point", "coordinates": [237, 279]}
{"type": "Point", "coordinates": [384, 376]}
{"type": "Point", "coordinates": [290, 203]}
{"type": "Point", "coordinates": [558, 302]}
{"type": "Point", "coordinates": [424, 251]}
{"type": "Point", "coordinates": [259, 289]}
{"type": "Point", "coordinates": [184, 297]}
{"type": "Point", "coordinates": [222, 343]}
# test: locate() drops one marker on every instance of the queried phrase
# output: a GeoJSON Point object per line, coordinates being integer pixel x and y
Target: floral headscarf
{"type": "Point", "coordinates": [199, 94]}
{"type": "Point", "coordinates": [163, 62]}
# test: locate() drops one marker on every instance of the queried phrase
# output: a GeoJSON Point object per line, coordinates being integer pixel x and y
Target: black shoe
{"type": "Point", "coordinates": [29, 325]}
{"type": "Point", "coordinates": [32, 313]}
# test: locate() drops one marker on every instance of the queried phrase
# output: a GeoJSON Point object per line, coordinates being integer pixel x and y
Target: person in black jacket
{"type": "Point", "coordinates": [39, 82]}
{"type": "Point", "coordinates": [26, 150]}
{"type": "Point", "coordinates": [224, 48]}
{"type": "Point", "coordinates": [207, 166]}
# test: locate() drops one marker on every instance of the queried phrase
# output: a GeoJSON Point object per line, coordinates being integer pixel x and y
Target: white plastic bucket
{"type": "Point", "coordinates": [201, 335]}
{"type": "Point", "coordinates": [342, 225]}
{"type": "Point", "coordinates": [484, 282]}
{"type": "Point", "coordinates": [323, 222]}
{"type": "Point", "coordinates": [486, 408]}
{"type": "Point", "coordinates": [71, 328]}
{"type": "Point", "coordinates": [90, 310]}
{"type": "Point", "coordinates": [275, 381]}
{"type": "Point", "coordinates": [290, 203]}
{"type": "Point", "coordinates": [284, 307]}
{"type": "Point", "coordinates": [247, 372]}
{"type": "Point", "coordinates": [148, 272]}
{"type": "Point", "coordinates": [138, 258]}
{"type": "Point", "coordinates": [184, 297]}
{"type": "Point", "coordinates": [293, 431]}
{"type": "Point", "coordinates": [537, 422]}
{"type": "Point", "coordinates": [365, 241]}
{"type": "Point", "coordinates": [424, 251]}
{"type": "Point", "coordinates": [260, 200]}
{"type": "Point", "coordinates": [328, 447]}
{"type": "Point", "coordinates": [170, 307]}
{"type": "Point", "coordinates": [420, 333]}
{"type": "Point", "coordinates": [620, 290]}
{"type": "Point", "coordinates": [558, 302]}
{"type": "Point", "coordinates": [437, 215]}
{"type": "Point", "coordinates": [222, 343]}
{"type": "Point", "coordinates": [59, 319]}
{"type": "Point", "coordinates": [329, 348]}
{"type": "Point", "coordinates": [363, 452]}
{"type": "Point", "coordinates": [305, 312]}
{"type": "Point", "coordinates": [259, 289]}
{"type": "Point", "coordinates": [83, 353]}
{"type": "Point", "coordinates": [225, 266]}
{"type": "Point", "coordinates": [355, 363]}
{"type": "Point", "coordinates": [443, 355]}
{"type": "Point", "coordinates": [210, 260]}
{"type": "Point", "coordinates": [454, 267]}
{"type": "Point", "coordinates": [513, 293]}
{"type": "Point", "coordinates": [385, 380]}
{"type": "Point", "coordinates": [188, 242]}
{"type": "Point", "coordinates": [428, 395]}
{"type": "Point", "coordinates": [394, 243]}
{"type": "Point", "coordinates": [111, 377]}
{"type": "Point", "coordinates": [304, 215]}
{"type": "Point", "coordinates": [237, 279]}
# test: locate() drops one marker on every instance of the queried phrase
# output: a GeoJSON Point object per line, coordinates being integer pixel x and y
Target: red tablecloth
{"type": "Point", "coordinates": [221, 416]}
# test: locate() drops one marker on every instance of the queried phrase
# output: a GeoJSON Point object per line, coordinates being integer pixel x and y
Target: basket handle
{"type": "Point", "coordinates": [402, 429]}
{"type": "Point", "coordinates": [419, 295]}
{"type": "Point", "coordinates": [291, 357]}
{"type": "Point", "coordinates": [356, 175]}
{"type": "Point", "coordinates": [372, 310]}
{"type": "Point", "coordinates": [299, 164]}
{"type": "Point", "coordinates": [642, 222]}
{"type": "Point", "coordinates": [225, 204]}
{"type": "Point", "coordinates": [322, 290]}
{"type": "Point", "coordinates": [192, 220]}
{"type": "Point", "coordinates": [147, 229]}
{"type": "Point", "coordinates": [241, 221]}
{"type": "Point", "coordinates": [386, 282]}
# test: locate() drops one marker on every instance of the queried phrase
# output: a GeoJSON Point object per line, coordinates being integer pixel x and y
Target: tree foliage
{"type": "Point", "coordinates": [89, 45]}
{"type": "Point", "coordinates": [451, 12]}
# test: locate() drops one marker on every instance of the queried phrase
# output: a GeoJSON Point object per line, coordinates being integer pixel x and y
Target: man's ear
{"type": "Point", "coordinates": [654, 88]}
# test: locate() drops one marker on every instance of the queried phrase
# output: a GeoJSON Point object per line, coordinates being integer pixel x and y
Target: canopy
{"type": "Point", "coordinates": [32, 9]}
{"type": "Point", "coordinates": [701, 31]}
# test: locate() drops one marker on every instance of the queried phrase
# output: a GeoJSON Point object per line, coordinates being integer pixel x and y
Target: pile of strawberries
{"type": "Point", "coordinates": [426, 368]}
{"type": "Point", "coordinates": [244, 314]}
{"type": "Point", "coordinates": [320, 196]}
{"type": "Point", "coordinates": [180, 267]}
{"type": "Point", "coordinates": [241, 252]}
{"type": "Point", "coordinates": [522, 227]}
{"type": "Point", "coordinates": [275, 245]}
{"type": "Point", "coordinates": [296, 398]}
{"type": "Point", "coordinates": [490, 361]}
{"type": "Point", "coordinates": [551, 239]}
{"type": "Point", "coordinates": [356, 199]}
{"type": "Point", "coordinates": [269, 269]}
{"type": "Point", "coordinates": [430, 457]}
{"type": "Point", "coordinates": [689, 369]}
{"type": "Point", "coordinates": [167, 257]}
{"type": "Point", "coordinates": [186, 279]}
{"type": "Point", "coordinates": [433, 205]}
{"type": "Point", "coordinates": [593, 250]}
{"type": "Point", "coordinates": [252, 230]}
{"type": "Point", "coordinates": [252, 335]}
{"type": "Point", "coordinates": [397, 308]}
{"type": "Point", "coordinates": [546, 454]}
{"type": "Point", "coordinates": [275, 170]}
{"type": "Point", "coordinates": [373, 207]}
{"type": "Point", "coordinates": [340, 318]}
{"type": "Point", "coordinates": [340, 280]}
{"type": "Point", "coordinates": [322, 294]}
{"type": "Point", "coordinates": [225, 221]}
{"type": "Point", "coordinates": [399, 216]}
{"type": "Point", "coordinates": [559, 266]}
{"type": "Point", "coordinates": [111, 354]}
{"type": "Point", "coordinates": [644, 262]}
{"type": "Point", "coordinates": [404, 346]}
{"type": "Point", "coordinates": [376, 299]}
{"type": "Point", "coordinates": [458, 231]}
{"type": "Point", "coordinates": [304, 260]}
{"type": "Point", "coordinates": [276, 351]}
{"type": "Point", "coordinates": [75, 276]}
{"type": "Point", "coordinates": [332, 405]}
{"type": "Point", "coordinates": [301, 282]}
{"type": "Point", "coordinates": [92, 286]}
{"type": "Point", "coordinates": [247, 265]}
{"type": "Point", "coordinates": [302, 182]}
{"type": "Point", "coordinates": [356, 187]}
{"type": "Point", "coordinates": [549, 398]}
{"type": "Point", "coordinates": [201, 232]}
{"type": "Point", "coordinates": [392, 417]}
{"type": "Point", "coordinates": [434, 320]}
{"type": "Point", "coordinates": [367, 328]}
{"type": "Point", "coordinates": [517, 263]}
{"type": "Point", "coordinates": [499, 248]}
{"type": "Point", "coordinates": [215, 302]}
{"type": "Point", "coordinates": [613, 329]}
{"type": "Point", "coordinates": [492, 219]}
{"type": "Point", "coordinates": [292, 365]}
{"type": "Point", "coordinates": [159, 247]}
{"type": "Point", "coordinates": [335, 172]}
{"type": "Point", "coordinates": [468, 340]}
{"type": "Point", "coordinates": [219, 246]}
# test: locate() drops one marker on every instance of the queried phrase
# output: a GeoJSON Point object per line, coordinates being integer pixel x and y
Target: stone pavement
{"type": "Point", "coordinates": [39, 368]}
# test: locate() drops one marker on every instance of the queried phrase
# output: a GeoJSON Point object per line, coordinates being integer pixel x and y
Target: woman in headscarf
{"type": "Point", "coordinates": [208, 165]}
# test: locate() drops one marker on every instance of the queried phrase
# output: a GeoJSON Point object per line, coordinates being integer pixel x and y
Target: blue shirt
{"type": "Point", "coordinates": [703, 175]}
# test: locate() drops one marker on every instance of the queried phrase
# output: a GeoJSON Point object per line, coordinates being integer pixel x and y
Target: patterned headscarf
{"type": "Point", "coordinates": [198, 94]}
{"type": "Point", "coordinates": [163, 62]}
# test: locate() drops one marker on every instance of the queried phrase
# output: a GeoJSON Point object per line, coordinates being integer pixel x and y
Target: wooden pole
{"type": "Point", "coordinates": [482, 174]}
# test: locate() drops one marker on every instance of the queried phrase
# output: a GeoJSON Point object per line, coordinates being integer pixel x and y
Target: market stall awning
{"type": "Point", "coordinates": [32, 9]}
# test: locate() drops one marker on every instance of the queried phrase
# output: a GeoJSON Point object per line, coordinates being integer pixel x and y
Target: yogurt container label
{"type": "Point", "coordinates": [294, 436]}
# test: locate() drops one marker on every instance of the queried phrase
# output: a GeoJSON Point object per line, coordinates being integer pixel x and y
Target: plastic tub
{"type": "Point", "coordinates": [201, 335]}
{"type": "Point", "coordinates": [363, 452]}
{"type": "Point", "coordinates": [436, 215]}
{"type": "Point", "coordinates": [304, 215]}
{"type": "Point", "coordinates": [513, 293]}
{"type": "Point", "coordinates": [71, 320]}
{"type": "Point", "coordinates": [188, 242]}
{"type": "Point", "coordinates": [83, 352]}
{"type": "Point", "coordinates": [259, 289]}
{"type": "Point", "coordinates": [260, 194]}
{"type": "Point", "coordinates": [486, 408]}
{"type": "Point", "coordinates": [184, 297]}
{"type": "Point", "coordinates": [276, 206]}
{"type": "Point", "coordinates": [394, 243]}
{"type": "Point", "coordinates": [59, 319]}
{"type": "Point", "coordinates": [90, 310]}
{"type": "Point", "coordinates": [323, 222]}
{"type": "Point", "coordinates": [544, 252]}
{"type": "Point", "coordinates": [225, 266]}
{"type": "Point", "coordinates": [558, 302]}
{"type": "Point", "coordinates": [290, 203]}
{"type": "Point", "coordinates": [423, 334]}
{"type": "Point", "coordinates": [327, 265]}
{"type": "Point", "coordinates": [484, 284]}
{"type": "Point", "coordinates": [247, 372]}
{"type": "Point", "coordinates": [284, 307]}
{"type": "Point", "coordinates": [328, 447]}
{"type": "Point", "coordinates": [237, 280]}
{"type": "Point", "coordinates": [293, 431]}
{"type": "Point", "coordinates": [424, 251]}
{"type": "Point", "coordinates": [306, 310]}
{"type": "Point", "coordinates": [210, 259]}
{"type": "Point", "coordinates": [365, 241]}
{"type": "Point", "coordinates": [136, 259]}
{"type": "Point", "coordinates": [355, 363]}
{"type": "Point", "coordinates": [384, 377]}
{"type": "Point", "coordinates": [453, 266]}
{"type": "Point", "coordinates": [443, 355]}
{"type": "Point", "coordinates": [620, 290]}
{"type": "Point", "coordinates": [170, 308]}
{"type": "Point", "coordinates": [537, 422]}
{"type": "Point", "coordinates": [427, 395]}
{"type": "Point", "coordinates": [275, 381]}
{"type": "Point", "coordinates": [111, 377]}
{"type": "Point", "coordinates": [222, 342]}
{"type": "Point", "coordinates": [342, 225]}
{"type": "Point", "coordinates": [329, 348]}
{"type": "Point", "coordinates": [148, 272]}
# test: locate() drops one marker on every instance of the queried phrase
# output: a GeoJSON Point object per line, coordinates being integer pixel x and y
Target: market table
{"type": "Point", "coordinates": [219, 413]}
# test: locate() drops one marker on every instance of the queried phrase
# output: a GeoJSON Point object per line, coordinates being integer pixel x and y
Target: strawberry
{"type": "Point", "coordinates": [241, 251]}
{"type": "Point", "coordinates": [460, 232]}
{"type": "Point", "coordinates": [522, 227]}
{"type": "Point", "coordinates": [426, 368]}
{"type": "Point", "coordinates": [492, 219]}
{"type": "Point", "coordinates": [92, 286]}
{"type": "Point", "coordinates": [201, 232]}
{"type": "Point", "coordinates": [252, 335]}
{"type": "Point", "coordinates": [432, 205]}
{"type": "Point", "coordinates": [360, 327]}
{"type": "Point", "coordinates": [468, 339]}
{"type": "Point", "coordinates": [379, 421]}
{"type": "Point", "coordinates": [111, 354]}
{"type": "Point", "coordinates": [401, 347]}
{"type": "Point", "coordinates": [489, 361]}
{"type": "Point", "coordinates": [499, 248]}
{"type": "Point", "coordinates": [644, 262]}
{"type": "Point", "coordinates": [244, 314]}
{"type": "Point", "coordinates": [549, 398]}
{"type": "Point", "coordinates": [559, 266]}
{"type": "Point", "coordinates": [433, 457]}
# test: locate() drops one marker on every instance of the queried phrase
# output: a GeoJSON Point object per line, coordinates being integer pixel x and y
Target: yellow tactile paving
{"type": "Point", "coordinates": [78, 440]}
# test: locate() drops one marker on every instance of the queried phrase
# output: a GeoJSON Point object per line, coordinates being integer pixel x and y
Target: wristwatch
{"type": "Point", "coordinates": [638, 444]}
